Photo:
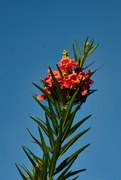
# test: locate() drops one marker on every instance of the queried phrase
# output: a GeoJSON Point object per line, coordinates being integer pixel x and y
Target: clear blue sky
{"type": "Point", "coordinates": [33, 33]}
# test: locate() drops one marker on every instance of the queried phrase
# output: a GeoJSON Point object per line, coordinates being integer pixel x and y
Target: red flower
{"type": "Point", "coordinates": [66, 65]}
{"type": "Point", "coordinates": [41, 97]}
{"type": "Point", "coordinates": [70, 80]}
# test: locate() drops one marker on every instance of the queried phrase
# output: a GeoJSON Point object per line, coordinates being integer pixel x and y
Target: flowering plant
{"type": "Point", "coordinates": [65, 90]}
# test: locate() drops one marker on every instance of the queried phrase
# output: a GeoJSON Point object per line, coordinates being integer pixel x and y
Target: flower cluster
{"type": "Point", "coordinates": [68, 77]}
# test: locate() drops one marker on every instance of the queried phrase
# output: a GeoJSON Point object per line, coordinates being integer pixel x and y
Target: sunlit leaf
{"type": "Point", "coordinates": [29, 154]}
{"type": "Point", "coordinates": [28, 172]}
{"type": "Point", "coordinates": [75, 55]}
{"type": "Point", "coordinates": [20, 172]}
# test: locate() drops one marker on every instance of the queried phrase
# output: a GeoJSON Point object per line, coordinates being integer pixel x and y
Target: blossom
{"type": "Point", "coordinates": [72, 75]}
{"type": "Point", "coordinates": [71, 80]}
{"type": "Point", "coordinates": [41, 97]}
{"type": "Point", "coordinates": [66, 65]}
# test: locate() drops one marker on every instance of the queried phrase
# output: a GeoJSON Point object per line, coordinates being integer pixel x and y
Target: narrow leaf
{"type": "Point", "coordinates": [72, 141]}
{"type": "Point", "coordinates": [55, 155]}
{"type": "Point", "coordinates": [48, 96]}
{"type": "Point", "coordinates": [65, 171]}
{"type": "Point", "coordinates": [93, 49]}
{"type": "Point", "coordinates": [78, 48]}
{"type": "Point", "coordinates": [77, 152]}
{"type": "Point", "coordinates": [28, 172]}
{"type": "Point", "coordinates": [50, 133]}
{"type": "Point", "coordinates": [70, 121]}
{"type": "Point", "coordinates": [60, 71]}
{"type": "Point", "coordinates": [46, 110]}
{"type": "Point", "coordinates": [40, 124]}
{"type": "Point", "coordinates": [45, 165]}
{"type": "Point", "coordinates": [65, 164]}
{"type": "Point", "coordinates": [29, 157]}
{"type": "Point", "coordinates": [75, 55]}
{"type": "Point", "coordinates": [49, 149]}
{"type": "Point", "coordinates": [20, 172]}
{"type": "Point", "coordinates": [77, 125]}
{"type": "Point", "coordinates": [75, 178]}
{"type": "Point", "coordinates": [53, 117]}
{"type": "Point", "coordinates": [73, 173]}
{"type": "Point", "coordinates": [45, 149]}
{"type": "Point", "coordinates": [68, 110]}
{"type": "Point", "coordinates": [57, 88]}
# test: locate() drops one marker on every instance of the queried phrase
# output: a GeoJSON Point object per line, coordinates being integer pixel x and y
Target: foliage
{"type": "Point", "coordinates": [65, 90]}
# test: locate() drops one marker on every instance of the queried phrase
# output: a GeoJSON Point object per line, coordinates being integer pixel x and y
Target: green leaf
{"type": "Point", "coordinates": [72, 141]}
{"type": "Point", "coordinates": [48, 96]}
{"type": "Point", "coordinates": [70, 158]}
{"type": "Point", "coordinates": [33, 159]}
{"type": "Point", "coordinates": [57, 88]}
{"type": "Point", "coordinates": [93, 49]}
{"type": "Point", "coordinates": [65, 171]}
{"type": "Point", "coordinates": [89, 65]}
{"type": "Point", "coordinates": [41, 124]}
{"type": "Point", "coordinates": [77, 152]}
{"type": "Point", "coordinates": [78, 48]}
{"type": "Point", "coordinates": [20, 172]}
{"type": "Point", "coordinates": [50, 133]}
{"type": "Point", "coordinates": [49, 149]}
{"type": "Point", "coordinates": [37, 173]}
{"type": "Point", "coordinates": [75, 178]}
{"type": "Point", "coordinates": [46, 109]}
{"type": "Point", "coordinates": [69, 123]}
{"type": "Point", "coordinates": [55, 154]}
{"type": "Point", "coordinates": [65, 164]}
{"type": "Point", "coordinates": [29, 156]}
{"type": "Point", "coordinates": [73, 173]}
{"type": "Point", "coordinates": [77, 125]}
{"type": "Point", "coordinates": [87, 50]}
{"type": "Point", "coordinates": [75, 55]}
{"type": "Point", "coordinates": [60, 71]}
{"type": "Point", "coordinates": [28, 172]}
{"type": "Point", "coordinates": [83, 81]}
{"type": "Point", "coordinates": [45, 165]}
{"type": "Point", "coordinates": [66, 114]}
{"type": "Point", "coordinates": [58, 109]}
{"type": "Point", "coordinates": [45, 148]}
{"type": "Point", "coordinates": [53, 117]}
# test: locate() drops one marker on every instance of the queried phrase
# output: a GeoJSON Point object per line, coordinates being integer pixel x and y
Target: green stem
{"type": "Point", "coordinates": [56, 151]}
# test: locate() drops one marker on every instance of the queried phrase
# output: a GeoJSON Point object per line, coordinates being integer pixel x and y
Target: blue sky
{"type": "Point", "coordinates": [33, 34]}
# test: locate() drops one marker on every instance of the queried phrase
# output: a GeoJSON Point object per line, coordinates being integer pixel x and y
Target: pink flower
{"type": "Point", "coordinates": [70, 80]}
{"type": "Point", "coordinates": [41, 97]}
{"type": "Point", "coordinates": [47, 89]}
{"type": "Point", "coordinates": [66, 64]}
{"type": "Point", "coordinates": [83, 93]}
